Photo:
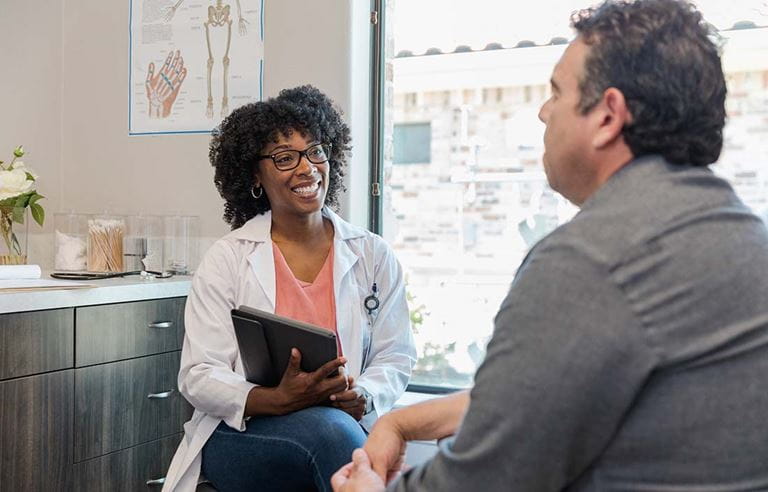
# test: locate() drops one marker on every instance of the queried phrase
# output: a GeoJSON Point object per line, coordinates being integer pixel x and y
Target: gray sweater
{"type": "Point", "coordinates": [631, 353]}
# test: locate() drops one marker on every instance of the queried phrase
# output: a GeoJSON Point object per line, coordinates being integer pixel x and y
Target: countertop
{"type": "Point", "coordinates": [104, 291]}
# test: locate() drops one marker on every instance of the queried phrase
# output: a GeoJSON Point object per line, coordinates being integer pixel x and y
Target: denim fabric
{"type": "Point", "coordinates": [294, 452]}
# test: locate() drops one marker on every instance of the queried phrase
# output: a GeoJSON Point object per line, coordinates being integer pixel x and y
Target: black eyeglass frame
{"type": "Point", "coordinates": [327, 147]}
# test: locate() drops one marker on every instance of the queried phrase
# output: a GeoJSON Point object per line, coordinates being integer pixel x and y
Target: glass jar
{"type": "Point", "coordinates": [143, 243]}
{"type": "Point", "coordinates": [14, 228]}
{"type": "Point", "coordinates": [70, 241]}
{"type": "Point", "coordinates": [180, 251]}
{"type": "Point", "coordinates": [105, 243]}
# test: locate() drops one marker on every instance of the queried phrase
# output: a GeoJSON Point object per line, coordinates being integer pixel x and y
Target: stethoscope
{"type": "Point", "coordinates": [371, 302]}
{"type": "Point", "coordinates": [99, 276]}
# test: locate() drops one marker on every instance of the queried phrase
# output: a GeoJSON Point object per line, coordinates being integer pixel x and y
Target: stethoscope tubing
{"type": "Point", "coordinates": [101, 276]}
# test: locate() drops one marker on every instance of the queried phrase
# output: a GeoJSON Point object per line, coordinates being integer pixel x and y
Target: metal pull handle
{"type": "Point", "coordinates": [160, 324]}
{"type": "Point", "coordinates": [158, 396]}
{"type": "Point", "coordinates": [155, 481]}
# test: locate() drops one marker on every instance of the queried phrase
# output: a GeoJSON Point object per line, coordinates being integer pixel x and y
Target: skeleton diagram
{"type": "Point", "coordinates": [218, 16]}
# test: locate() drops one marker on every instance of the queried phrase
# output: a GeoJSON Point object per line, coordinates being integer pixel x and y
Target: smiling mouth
{"type": "Point", "coordinates": [307, 190]}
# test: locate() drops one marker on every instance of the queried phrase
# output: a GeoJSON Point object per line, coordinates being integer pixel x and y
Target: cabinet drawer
{"type": "Point", "coordinates": [121, 331]}
{"type": "Point", "coordinates": [35, 342]}
{"type": "Point", "coordinates": [138, 468]}
{"type": "Point", "coordinates": [126, 403]}
{"type": "Point", "coordinates": [36, 432]}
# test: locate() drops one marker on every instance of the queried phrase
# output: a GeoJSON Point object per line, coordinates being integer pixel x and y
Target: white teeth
{"type": "Point", "coordinates": [306, 190]}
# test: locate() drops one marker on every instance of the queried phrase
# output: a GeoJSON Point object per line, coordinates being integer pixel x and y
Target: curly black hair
{"type": "Point", "coordinates": [661, 55]}
{"type": "Point", "coordinates": [244, 134]}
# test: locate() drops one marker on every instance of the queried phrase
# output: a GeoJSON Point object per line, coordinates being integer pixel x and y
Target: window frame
{"type": "Point", "coordinates": [376, 174]}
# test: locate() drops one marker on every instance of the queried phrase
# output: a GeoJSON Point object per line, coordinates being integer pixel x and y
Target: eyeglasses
{"type": "Point", "coordinates": [285, 160]}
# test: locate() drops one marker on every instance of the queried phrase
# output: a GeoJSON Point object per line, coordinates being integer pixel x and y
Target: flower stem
{"type": "Point", "coordinates": [6, 228]}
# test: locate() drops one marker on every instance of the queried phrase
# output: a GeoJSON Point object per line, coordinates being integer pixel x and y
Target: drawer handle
{"type": "Point", "coordinates": [156, 481]}
{"type": "Point", "coordinates": [158, 396]}
{"type": "Point", "coordinates": [160, 324]}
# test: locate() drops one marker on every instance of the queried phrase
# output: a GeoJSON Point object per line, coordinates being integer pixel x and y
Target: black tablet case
{"type": "Point", "coordinates": [265, 341]}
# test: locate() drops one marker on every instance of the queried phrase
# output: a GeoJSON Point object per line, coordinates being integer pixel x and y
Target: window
{"type": "Point", "coordinates": [412, 143]}
{"type": "Point", "coordinates": [462, 221]}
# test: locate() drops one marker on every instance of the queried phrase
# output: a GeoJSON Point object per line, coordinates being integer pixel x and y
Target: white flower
{"type": "Point", "coordinates": [22, 166]}
{"type": "Point", "coordinates": [14, 182]}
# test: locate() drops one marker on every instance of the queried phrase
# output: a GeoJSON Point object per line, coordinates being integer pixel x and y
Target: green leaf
{"type": "Point", "coordinates": [18, 215]}
{"type": "Point", "coordinates": [17, 201]}
{"type": "Point", "coordinates": [35, 197]}
{"type": "Point", "coordinates": [37, 213]}
{"type": "Point", "coordinates": [18, 151]}
{"type": "Point", "coordinates": [22, 200]}
{"type": "Point", "coordinates": [30, 177]}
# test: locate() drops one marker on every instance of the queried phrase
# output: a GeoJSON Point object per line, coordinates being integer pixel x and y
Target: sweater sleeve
{"type": "Point", "coordinates": [564, 365]}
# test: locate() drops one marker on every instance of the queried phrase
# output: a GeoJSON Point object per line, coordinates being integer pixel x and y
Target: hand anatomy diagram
{"type": "Point", "coordinates": [218, 16]}
{"type": "Point", "coordinates": [163, 86]}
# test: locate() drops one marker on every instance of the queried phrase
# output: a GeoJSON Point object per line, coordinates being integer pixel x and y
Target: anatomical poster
{"type": "Point", "coordinates": [192, 62]}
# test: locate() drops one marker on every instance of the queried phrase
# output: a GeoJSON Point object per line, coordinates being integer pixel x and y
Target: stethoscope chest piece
{"type": "Point", "coordinates": [371, 302]}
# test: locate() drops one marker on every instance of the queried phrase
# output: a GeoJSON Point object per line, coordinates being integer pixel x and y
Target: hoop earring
{"type": "Point", "coordinates": [254, 195]}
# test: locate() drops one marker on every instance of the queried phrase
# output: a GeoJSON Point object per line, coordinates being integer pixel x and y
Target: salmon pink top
{"type": "Point", "coordinates": [310, 302]}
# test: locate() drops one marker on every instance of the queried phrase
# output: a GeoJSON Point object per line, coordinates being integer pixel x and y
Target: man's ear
{"type": "Point", "coordinates": [613, 114]}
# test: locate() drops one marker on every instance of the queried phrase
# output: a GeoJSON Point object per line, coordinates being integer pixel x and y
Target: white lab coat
{"type": "Point", "coordinates": [239, 269]}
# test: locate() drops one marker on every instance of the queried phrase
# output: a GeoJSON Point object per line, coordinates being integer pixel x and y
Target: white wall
{"type": "Point", "coordinates": [327, 44]}
{"type": "Point", "coordinates": [30, 91]}
{"type": "Point", "coordinates": [68, 103]}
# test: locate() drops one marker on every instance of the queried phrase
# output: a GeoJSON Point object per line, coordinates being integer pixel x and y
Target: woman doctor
{"type": "Point", "coordinates": [278, 166]}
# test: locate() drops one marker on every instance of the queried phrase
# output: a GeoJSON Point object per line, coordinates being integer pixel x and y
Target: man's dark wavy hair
{"type": "Point", "coordinates": [244, 134]}
{"type": "Point", "coordinates": [661, 55]}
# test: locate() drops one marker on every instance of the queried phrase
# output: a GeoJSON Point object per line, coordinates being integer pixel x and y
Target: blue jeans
{"type": "Point", "coordinates": [295, 452]}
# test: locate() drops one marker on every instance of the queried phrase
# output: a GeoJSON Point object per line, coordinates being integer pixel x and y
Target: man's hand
{"type": "Point", "coordinates": [357, 476]}
{"type": "Point", "coordinates": [352, 400]}
{"type": "Point", "coordinates": [385, 448]}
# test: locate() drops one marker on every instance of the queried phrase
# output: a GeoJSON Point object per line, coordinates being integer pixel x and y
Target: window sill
{"type": "Point", "coordinates": [412, 397]}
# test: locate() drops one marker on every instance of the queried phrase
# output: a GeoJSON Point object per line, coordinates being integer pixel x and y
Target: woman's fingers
{"type": "Point", "coordinates": [346, 396]}
{"type": "Point", "coordinates": [329, 368]}
{"type": "Point", "coordinates": [349, 403]}
{"type": "Point", "coordinates": [294, 362]}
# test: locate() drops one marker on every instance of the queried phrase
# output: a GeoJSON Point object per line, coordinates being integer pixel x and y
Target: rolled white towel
{"type": "Point", "coordinates": [17, 272]}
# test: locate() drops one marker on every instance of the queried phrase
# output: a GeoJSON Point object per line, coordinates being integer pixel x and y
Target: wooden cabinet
{"type": "Point", "coordinates": [33, 343]}
{"type": "Point", "coordinates": [141, 467]}
{"type": "Point", "coordinates": [126, 403]}
{"type": "Point", "coordinates": [133, 329]}
{"type": "Point", "coordinates": [88, 396]}
{"type": "Point", "coordinates": [36, 432]}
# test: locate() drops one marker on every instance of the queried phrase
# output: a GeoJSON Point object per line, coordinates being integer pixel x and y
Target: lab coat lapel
{"type": "Point", "coordinates": [262, 262]}
{"type": "Point", "coordinates": [262, 259]}
{"type": "Point", "coordinates": [347, 317]}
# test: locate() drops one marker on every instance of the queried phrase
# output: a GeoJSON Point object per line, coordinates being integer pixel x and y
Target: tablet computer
{"type": "Point", "coordinates": [265, 341]}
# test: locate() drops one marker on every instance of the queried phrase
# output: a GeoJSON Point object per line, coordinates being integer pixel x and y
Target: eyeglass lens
{"type": "Point", "coordinates": [288, 159]}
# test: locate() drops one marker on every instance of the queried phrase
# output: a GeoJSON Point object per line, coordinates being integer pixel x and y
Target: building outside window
{"type": "Point", "coordinates": [474, 199]}
{"type": "Point", "coordinates": [412, 143]}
